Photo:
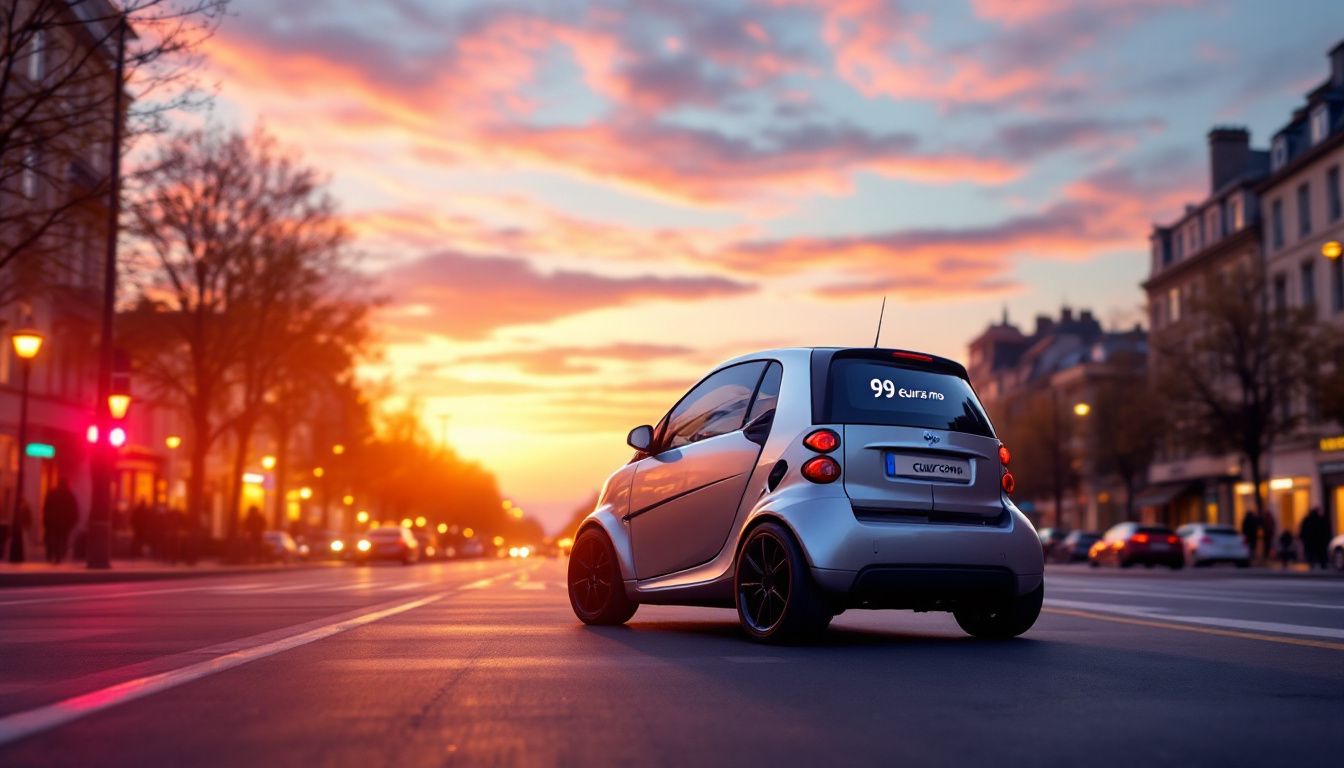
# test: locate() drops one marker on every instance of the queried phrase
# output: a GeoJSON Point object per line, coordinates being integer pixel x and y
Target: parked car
{"type": "Point", "coordinates": [794, 484]}
{"type": "Point", "coordinates": [471, 548]}
{"type": "Point", "coordinates": [389, 542]}
{"type": "Point", "coordinates": [327, 545]}
{"type": "Point", "coordinates": [1074, 547]}
{"type": "Point", "coordinates": [1129, 544]}
{"type": "Point", "coordinates": [429, 544]}
{"type": "Point", "coordinates": [1206, 544]}
{"type": "Point", "coordinates": [279, 546]}
{"type": "Point", "coordinates": [1050, 537]}
{"type": "Point", "coordinates": [1336, 551]}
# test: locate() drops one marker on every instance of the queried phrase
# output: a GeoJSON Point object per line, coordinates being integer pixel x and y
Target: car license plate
{"type": "Point", "coordinates": [929, 468]}
{"type": "Point", "coordinates": [1159, 546]}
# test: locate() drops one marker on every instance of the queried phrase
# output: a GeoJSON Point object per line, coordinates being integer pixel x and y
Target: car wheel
{"type": "Point", "coordinates": [1337, 558]}
{"type": "Point", "coordinates": [776, 599]}
{"type": "Point", "coordinates": [1008, 619]}
{"type": "Point", "coordinates": [596, 592]}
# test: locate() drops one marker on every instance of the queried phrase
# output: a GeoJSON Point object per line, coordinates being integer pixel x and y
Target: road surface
{"type": "Point", "coordinates": [482, 663]}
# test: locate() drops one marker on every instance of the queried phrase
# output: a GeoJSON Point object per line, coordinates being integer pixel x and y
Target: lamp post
{"type": "Point", "coordinates": [1080, 410]}
{"type": "Point", "coordinates": [27, 343]}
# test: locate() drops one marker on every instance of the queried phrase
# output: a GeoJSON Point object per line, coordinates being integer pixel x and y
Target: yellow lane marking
{"type": "Point", "coordinates": [1203, 630]}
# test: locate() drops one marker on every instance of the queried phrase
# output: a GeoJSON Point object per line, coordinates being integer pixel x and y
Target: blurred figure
{"type": "Point", "coordinates": [60, 512]}
{"type": "Point", "coordinates": [1250, 529]}
{"type": "Point", "coordinates": [1268, 526]}
{"type": "Point", "coordinates": [23, 518]}
{"type": "Point", "coordinates": [1287, 553]}
{"type": "Point", "coordinates": [140, 517]}
{"type": "Point", "coordinates": [255, 525]}
{"type": "Point", "coordinates": [1315, 536]}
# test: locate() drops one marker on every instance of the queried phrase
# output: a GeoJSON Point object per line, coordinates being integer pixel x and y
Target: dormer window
{"type": "Point", "coordinates": [1278, 153]}
{"type": "Point", "coordinates": [1235, 213]}
{"type": "Point", "coordinates": [1320, 123]}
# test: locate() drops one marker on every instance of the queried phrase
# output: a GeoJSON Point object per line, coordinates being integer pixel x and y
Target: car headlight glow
{"type": "Point", "coordinates": [363, 545]}
{"type": "Point", "coordinates": [337, 545]}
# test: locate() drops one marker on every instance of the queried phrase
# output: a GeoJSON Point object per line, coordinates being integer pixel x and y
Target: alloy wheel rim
{"type": "Point", "coordinates": [764, 585]}
{"type": "Point", "coordinates": [589, 576]}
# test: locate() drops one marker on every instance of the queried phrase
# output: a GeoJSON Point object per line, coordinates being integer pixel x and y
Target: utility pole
{"type": "Point", "coordinates": [98, 543]}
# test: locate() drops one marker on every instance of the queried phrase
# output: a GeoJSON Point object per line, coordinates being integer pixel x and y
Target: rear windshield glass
{"type": "Point", "coordinates": [1162, 529]}
{"type": "Point", "coordinates": [873, 392]}
{"type": "Point", "coordinates": [385, 533]}
{"type": "Point", "coordinates": [1221, 530]}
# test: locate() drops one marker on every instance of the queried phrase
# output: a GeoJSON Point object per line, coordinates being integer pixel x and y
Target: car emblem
{"type": "Point", "coordinates": [932, 438]}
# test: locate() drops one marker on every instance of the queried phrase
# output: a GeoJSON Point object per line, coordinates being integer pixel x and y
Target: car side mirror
{"type": "Point", "coordinates": [640, 438]}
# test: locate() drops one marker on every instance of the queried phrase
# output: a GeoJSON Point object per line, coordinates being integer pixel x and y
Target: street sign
{"type": "Point", "coordinates": [40, 451]}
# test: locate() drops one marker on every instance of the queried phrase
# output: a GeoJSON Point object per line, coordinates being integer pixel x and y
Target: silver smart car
{"type": "Point", "coordinates": [793, 484]}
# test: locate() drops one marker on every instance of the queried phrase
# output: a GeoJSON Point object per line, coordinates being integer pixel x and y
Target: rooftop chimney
{"type": "Point", "coordinates": [1044, 324]}
{"type": "Point", "coordinates": [1229, 155]}
{"type": "Point", "coordinates": [1337, 65]}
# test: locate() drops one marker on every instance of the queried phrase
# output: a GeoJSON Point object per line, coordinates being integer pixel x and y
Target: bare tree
{"type": "Point", "coordinates": [57, 85]}
{"type": "Point", "coordinates": [239, 261]}
{"type": "Point", "coordinates": [1233, 370]}
{"type": "Point", "coordinates": [1125, 419]}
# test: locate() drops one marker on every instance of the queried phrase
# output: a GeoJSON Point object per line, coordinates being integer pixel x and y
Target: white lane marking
{"type": "Point", "coordinates": [1198, 596]}
{"type": "Point", "coordinates": [108, 595]}
{"type": "Point", "coordinates": [23, 724]}
{"type": "Point", "coordinates": [1145, 612]}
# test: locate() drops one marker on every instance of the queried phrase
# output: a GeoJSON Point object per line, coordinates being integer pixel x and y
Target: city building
{"type": "Point", "coordinates": [1302, 206]}
{"type": "Point", "coordinates": [1040, 389]}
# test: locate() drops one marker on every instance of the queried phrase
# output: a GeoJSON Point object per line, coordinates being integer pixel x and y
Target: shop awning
{"type": "Point", "coordinates": [1160, 495]}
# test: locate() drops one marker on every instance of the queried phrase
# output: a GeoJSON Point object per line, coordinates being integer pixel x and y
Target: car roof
{"type": "Point", "coordinates": [798, 355]}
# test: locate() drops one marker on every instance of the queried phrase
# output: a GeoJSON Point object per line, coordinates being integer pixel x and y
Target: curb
{"type": "Point", "coordinates": [114, 576]}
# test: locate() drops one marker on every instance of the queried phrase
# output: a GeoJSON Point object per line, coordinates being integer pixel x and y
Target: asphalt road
{"type": "Point", "coordinates": [483, 663]}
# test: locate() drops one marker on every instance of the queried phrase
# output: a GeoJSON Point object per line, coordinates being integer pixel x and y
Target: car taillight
{"type": "Point", "coordinates": [822, 441]}
{"type": "Point", "coordinates": [912, 356]}
{"type": "Point", "coordinates": [1174, 540]}
{"type": "Point", "coordinates": [1008, 482]}
{"type": "Point", "coordinates": [821, 469]}
{"type": "Point", "coordinates": [1141, 538]}
{"type": "Point", "coordinates": [1005, 455]}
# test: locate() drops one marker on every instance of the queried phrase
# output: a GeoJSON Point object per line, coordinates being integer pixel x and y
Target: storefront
{"type": "Point", "coordinates": [1331, 471]}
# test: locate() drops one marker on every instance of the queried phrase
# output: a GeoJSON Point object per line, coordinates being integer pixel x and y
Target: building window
{"type": "Point", "coordinates": [28, 182]}
{"type": "Point", "coordinates": [1213, 226]}
{"type": "Point", "coordinates": [1235, 213]}
{"type": "Point", "coordinates": [36, 55]}
{"type": "Point", "coordinates": [1332, 194]}
{"type": "Point", "coordinates": [1308, 275]}
{"type": "Point", "coordinates": [1278, 153]}
{"type": "Point", "coordinates": [1320, 123]}
{"type": "Point", "coordinates": [1337, 283]}
{"type": "Point", "coordinates": [1304, 209]}
{"type": "Point", "coordinates": [1276, 222]}
{"type": "Point", "coordinates": [1280, 293]}
{"type": "Point", "coordinates": [1174, 304]}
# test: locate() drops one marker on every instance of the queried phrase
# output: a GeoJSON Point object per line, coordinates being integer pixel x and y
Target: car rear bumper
{"type": "Point", "coordinates": [870, 559]}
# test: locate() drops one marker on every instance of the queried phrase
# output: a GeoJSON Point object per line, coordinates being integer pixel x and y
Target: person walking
{"type": "Point", "coordinates": [1287, 552]}
{"type": "Point", "coordinates": [1315, 537]}
{"type": "Point", "coordinates": [1250, 530]}
{"type": "Point", "coordinates": [60, 512]}
{"type": "Point", "coordinates": [18, 526]}
{"type": "Point", "coordinates": [255, 525]}
{"type": "Point", "coordinates": [1267, 536]}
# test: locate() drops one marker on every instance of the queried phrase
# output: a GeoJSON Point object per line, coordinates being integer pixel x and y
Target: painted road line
{"type": "Point", "coordinates": [23, 724]}
{"type": "Point", "coordinates": [1144, 612]}
{"type": "Point", "coordinates": [1200, 630]}
{"type": "Point", "coordinates": [1196, 596]}
{"type": "Point", "coordinates": [108, 595]}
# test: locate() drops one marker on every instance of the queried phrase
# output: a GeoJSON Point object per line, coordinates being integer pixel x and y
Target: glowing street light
{"type": "Point", "coordinates": [318, 471]}
{"type": "Point", "coordinates": [1081, 409]}
{"type": "Point", "coordinates": [406, 522]}
{"type": "Point", "coordinates": [498, 541]}
{"type": "Point", "coordinates": [421, 522]}
{"type": "Point", "coordinates": [268, 462]}
{"type": "Point", "coordinates": [362, 517]}
{"type": "Point", "coordinates": [27, 343]}
{"type": "Point", "coordinates": [443, 527]}
{"type": "Point", "coordinates": [172, 442]}
{"type": "Point", "coordinates": [348, 500]}
{"type": "Point", "coordinates": [338, 449]}
{"type": "Point", "coordinates": [1332, 249]}
{"type": "Point", "coordinates": [117, 404]}
{"type": "Point", "coordinates": [516, 513]}
{"type": "Point", "coordinates": [467, 533]}
{"type": "Point", "coordinates": [305, 493]}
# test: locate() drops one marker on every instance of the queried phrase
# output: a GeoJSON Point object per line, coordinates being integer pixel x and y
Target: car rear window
{"type": "Point", "coordinates": [863, 391]}
{"type": "Point", "coordinates": [1158, 529]}
{"type": "Point", "coordinates": [385, 533]}
{"type": "Point", "coordinates": [1221, 530]}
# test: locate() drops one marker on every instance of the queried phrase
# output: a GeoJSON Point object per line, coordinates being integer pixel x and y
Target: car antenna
{"type": "Point", "coordinates": [880, 313]}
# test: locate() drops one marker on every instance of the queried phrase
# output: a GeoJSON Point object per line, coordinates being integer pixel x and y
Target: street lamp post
{"type": "Point", "coordinates": [27, 343]}
{"type": "Point", "coordinates": [1080, 410]}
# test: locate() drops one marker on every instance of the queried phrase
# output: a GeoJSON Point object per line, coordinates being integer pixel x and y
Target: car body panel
{"type": "Point", "coordinates": [837, 544]}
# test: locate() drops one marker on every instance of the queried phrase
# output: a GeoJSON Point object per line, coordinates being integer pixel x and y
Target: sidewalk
{"type": "Point", "coordinates": [34, 574]}
{"type": "Point", "coordinates": [1294, 571]}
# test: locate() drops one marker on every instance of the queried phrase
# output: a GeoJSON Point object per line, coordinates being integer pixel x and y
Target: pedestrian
{"type": "Point", "coordinates": [1287, 553]}
{"type": "Point", "coordinates": [1250, 529]}
{"type": "Point", "coordinates": [1267, 536]}
{"type": "Point", "coordinates": [140, 516]}
{"type": "Point", "coordinates": [60, 512]}
{"type": "Point", "coordinates": [255, 525]}
{"type": "Point", "coordinates": [23, 518]}
{"type": "Point", "coordinates": [1314, 534]}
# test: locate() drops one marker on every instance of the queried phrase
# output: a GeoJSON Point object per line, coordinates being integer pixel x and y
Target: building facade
{"type": "Point", "coordinates": [1302, 205]}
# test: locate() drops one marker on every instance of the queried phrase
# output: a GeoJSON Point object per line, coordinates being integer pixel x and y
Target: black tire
{"type": "Point", "coordinates": [776, 599]}
{"type": "Point", "coordinates": [1176, 566]}
{"type": "Point", "coordinates": [596, 592]}
{"type": "Point", "coordinates": [1243, 563]}
{"type": "Point", "coordinates": [1010, 619]}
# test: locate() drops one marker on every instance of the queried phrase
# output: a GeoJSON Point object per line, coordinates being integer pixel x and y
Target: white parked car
{"type": "Point", "coordinates": [1336, 551]}
{"type": "Point", "coordinates": [1206, 544]}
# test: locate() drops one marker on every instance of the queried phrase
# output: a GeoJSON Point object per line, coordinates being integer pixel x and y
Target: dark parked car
{"type": "Point", "coordinates": [1130, 544]}
{"type": "Point", "coordinates": [1074, 547]}
{"type": "Point", "coordinates": [390, 542]}
{"type": "Point", "coordinates": [1049, 538]}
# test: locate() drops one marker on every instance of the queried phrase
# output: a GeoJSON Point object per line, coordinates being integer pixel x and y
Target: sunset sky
{"type": "Point", "coordinates": [575, 209]}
